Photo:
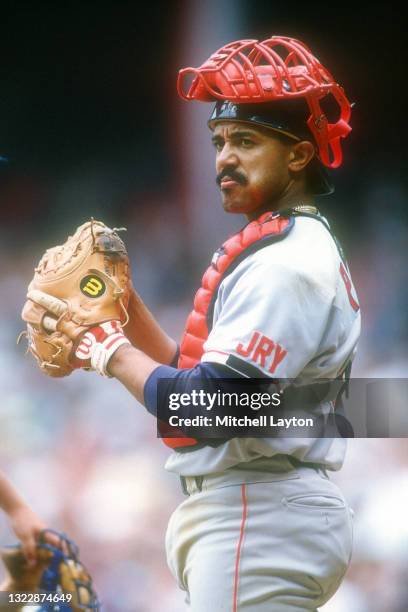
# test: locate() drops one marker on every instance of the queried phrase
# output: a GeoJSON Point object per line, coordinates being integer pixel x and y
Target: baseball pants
{"type": "Point", "coordinates": [247, 541]}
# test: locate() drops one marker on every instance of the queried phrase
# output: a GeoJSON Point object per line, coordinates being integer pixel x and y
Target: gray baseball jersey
{"type": "Point", "coordinates": [290, 309]}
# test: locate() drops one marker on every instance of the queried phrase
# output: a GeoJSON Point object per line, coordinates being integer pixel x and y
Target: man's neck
{"type": "Point", "coordinates": [288, 200]}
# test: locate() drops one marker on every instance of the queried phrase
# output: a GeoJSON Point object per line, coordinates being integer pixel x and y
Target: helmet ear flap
{"type": "Point", "coordinates": [327, 135]}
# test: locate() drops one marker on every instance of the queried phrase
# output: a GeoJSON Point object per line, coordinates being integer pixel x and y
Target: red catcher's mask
{"type": "Point", "coordinates": [279, 68]}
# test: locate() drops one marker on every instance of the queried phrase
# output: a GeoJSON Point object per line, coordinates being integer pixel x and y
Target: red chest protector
{"type": "Point", "coordinates": [268, 228]}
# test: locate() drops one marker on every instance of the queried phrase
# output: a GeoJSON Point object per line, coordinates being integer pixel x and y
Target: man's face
{"type": "Point", "coordinates": [251, 165]}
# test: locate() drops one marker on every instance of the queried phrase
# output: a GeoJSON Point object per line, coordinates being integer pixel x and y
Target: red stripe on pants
{"type": "Point", "coordinates": [238, 555]}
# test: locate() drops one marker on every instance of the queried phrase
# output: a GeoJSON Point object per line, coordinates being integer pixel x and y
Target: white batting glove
{"type": "Point", "coordinates": [98, 345]}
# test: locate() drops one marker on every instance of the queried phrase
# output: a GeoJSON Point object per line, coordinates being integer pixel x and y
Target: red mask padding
{"type": "Point", "coordinates": [252, 71]}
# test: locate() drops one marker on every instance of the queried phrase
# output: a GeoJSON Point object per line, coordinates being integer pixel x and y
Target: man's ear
{"type": "Point", "coordinates": [300, 155]}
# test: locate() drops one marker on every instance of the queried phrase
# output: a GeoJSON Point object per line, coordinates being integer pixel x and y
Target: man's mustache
{"type": "Point", "coordinates": [232, 174]}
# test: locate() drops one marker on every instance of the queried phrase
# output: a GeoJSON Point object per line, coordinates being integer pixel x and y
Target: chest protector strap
{"type": "Point", "coordinates": [268, 228]}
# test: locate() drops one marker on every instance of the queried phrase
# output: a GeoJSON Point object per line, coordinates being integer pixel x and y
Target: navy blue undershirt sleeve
{"type": "Point", "coordinates": [190, 379]}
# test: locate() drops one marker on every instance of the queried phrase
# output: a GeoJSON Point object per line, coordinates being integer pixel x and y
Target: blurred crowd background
{"type": "Point", "coordinates": [92, 126]}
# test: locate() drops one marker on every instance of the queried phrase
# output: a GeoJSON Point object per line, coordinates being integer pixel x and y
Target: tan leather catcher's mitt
{"type": "Point", "coordinates": [89, 276]}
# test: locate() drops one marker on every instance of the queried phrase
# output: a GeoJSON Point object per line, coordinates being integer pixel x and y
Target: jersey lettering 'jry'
{"type": "Point", "coordinates": [288, 310]}
{"type": "Point", "coordinates": [262, 350]}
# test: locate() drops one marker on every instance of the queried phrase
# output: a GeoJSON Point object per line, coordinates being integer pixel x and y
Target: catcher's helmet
{"type": "Point", "coordinates": [268, 82]}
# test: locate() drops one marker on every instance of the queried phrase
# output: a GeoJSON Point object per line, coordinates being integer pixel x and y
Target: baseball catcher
{"type": "Point", "coordinates": [58, 575]}
{"type": "Point", "coordinates": [263, 528]}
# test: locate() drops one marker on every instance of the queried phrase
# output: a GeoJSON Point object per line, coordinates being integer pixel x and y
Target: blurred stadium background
{"type": "Point", "coordinates": [91, 123]}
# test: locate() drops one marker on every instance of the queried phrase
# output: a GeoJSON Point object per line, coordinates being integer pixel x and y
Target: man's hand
{"type": "Point", "coordinates": [98, 345]}
{"type": "Point", "coordinates": [27, 526]}
{"type": "Point", "coordinates": [58, 570]}
{"type": "Point", "coordinates": [25, 523]}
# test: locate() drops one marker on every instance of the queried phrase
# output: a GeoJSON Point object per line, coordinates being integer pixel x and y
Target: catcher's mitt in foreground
{"type": "Point", "coordinates": [76, 286]}
{"type": "Point", "coordinates": [58, 576]}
